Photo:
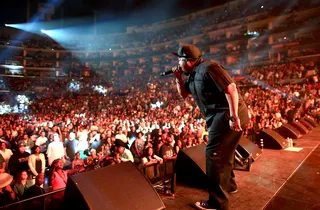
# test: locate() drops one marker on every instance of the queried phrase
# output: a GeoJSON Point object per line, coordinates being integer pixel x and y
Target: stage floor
{"type": "Point", "coordinates": [278, 180]}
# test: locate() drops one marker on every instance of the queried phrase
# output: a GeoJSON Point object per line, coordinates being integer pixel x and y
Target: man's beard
{"type": "Point", "coordinates": [186, 69]}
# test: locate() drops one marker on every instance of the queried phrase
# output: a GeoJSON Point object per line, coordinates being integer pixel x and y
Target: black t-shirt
{"type": "Point", "coordinates": [71, 146]}
{"type": "Point", "coordinates": [18, 162]}
{"type": "Point", "coordinates": [207, 85]}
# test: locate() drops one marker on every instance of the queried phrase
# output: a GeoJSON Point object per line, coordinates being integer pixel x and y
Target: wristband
{"type": "Point", "coordinates": [233, 119]}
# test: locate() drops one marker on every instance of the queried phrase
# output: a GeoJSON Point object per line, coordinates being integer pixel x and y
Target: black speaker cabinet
{"type": "Point", "coordinates": [307, 124]}
{"type": "Point", "coordinates": [191, 166]}
{"type": "Point", "coordinates": [120, 186]}
{"type": "Point", "coordinates": [247, 147]}
{"type": "Point", "coordinates": [191, 162]}
{"type": "Point", "coordinates": [287, 130]}
{"type": "Point", "coordinates": [311, 121]}
{"type": "Point", "coordinates": [272, 139]}
{"type": "Point", "coordinates": [298, 125]}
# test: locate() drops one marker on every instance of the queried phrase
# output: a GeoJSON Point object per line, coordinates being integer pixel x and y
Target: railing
{"type": "Point", "coordinates": [161, 176]}
{"type": "Point", "coordinates": [40, 202]}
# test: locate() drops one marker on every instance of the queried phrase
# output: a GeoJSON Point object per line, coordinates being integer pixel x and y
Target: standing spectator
{"type": "Point", "coordinates": [21, 184]}
{"type": "Point", "coordinates": [35, 190]}
{"type": "Point", "coordinates": [95, 141]}
{"type": "Point", "coordinates": [166, 150]}
{"type": "Point", "coordinates": [132, 135]}
{"type": "Point", "coordinates": [28, 142]}
{"type": "Point", "coordinates": [36, 162]}
{"type": "Point", "coordinates": [55, 150]}
{"type": "Point", "coordinates": [150, 161]}
{"type": "Point", "coordinates": [19, 160]}
{"type": "Point", "coordinates": [42, 142]}
{"type": "Point", "coordinates": [71, 145]}
{"type": "Point", "coordinates": [177, 146]}
{"type": "Point", "coordinates": [58, 180]}
{"type": "Point", "coordinates": [7, 195]}
{"type": "Point", "coordinates": [125, 153]}
{"type": "Point", "coordinates": [77, 162]}
{"type": "Point", "coordinates": [120, 135]}
{"type": "Point", "coordinates": [6, 153]}
{"type": "Point", "coordinates": [2, 164]}
{"type": "Point", "coordinates": [137, 148]}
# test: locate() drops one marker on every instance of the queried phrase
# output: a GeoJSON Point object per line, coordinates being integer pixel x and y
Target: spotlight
{"type": "Point", "coordinates": [6, 25]}
{"type": "Point", "coordinates": [43, 31]}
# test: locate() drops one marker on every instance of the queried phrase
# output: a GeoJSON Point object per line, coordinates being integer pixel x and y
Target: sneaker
{"type": "Point", "coordinates": [204, 205]}
{"type": "Point", "coordinates": [233, 191]}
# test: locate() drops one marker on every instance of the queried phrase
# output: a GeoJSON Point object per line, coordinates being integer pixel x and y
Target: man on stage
{"type": "Point", "coordinates": [226, 116]}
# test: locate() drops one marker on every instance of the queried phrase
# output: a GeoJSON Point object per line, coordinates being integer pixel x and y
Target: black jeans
{"type": "Point", "coordinates": [220, 152]}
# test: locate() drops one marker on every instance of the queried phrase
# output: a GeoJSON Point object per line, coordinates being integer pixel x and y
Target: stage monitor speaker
{"type": "Point", "coordinates": [247, 147]}
{"type": "Point", "coordinates": [272, 139]}
{"type": "Point", "coordinates": [307, 124]}
{"type": "Point", "coordinates": [191, 166]}
{"type": "Point", "coordinates": [311, 121]}
{"type": "Point", "coordinates": [191, 162]}
{"type": "Point", "coordinates": [120, 186]}
{"type": "Point", "coordinates": [298, 125]}
{"type": "Point", "coordinates": [287, 130]}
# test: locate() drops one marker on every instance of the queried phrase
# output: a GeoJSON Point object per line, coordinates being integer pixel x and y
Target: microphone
{"type": "Point", "coordinates": [173, 69]}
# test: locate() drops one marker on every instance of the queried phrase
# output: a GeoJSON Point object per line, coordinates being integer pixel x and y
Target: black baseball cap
{"type": "Point", "coordinates": [188, 51]}
{"type": "Point", "coordinates": [120, 143]}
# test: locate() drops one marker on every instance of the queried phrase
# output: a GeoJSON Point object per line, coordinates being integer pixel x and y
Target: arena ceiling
{"type": "Point", "coordinates": [137, 11]}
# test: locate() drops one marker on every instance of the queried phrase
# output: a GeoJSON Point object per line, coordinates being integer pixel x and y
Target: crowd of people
{"type": "Point", "coordinates": [141, 119]}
